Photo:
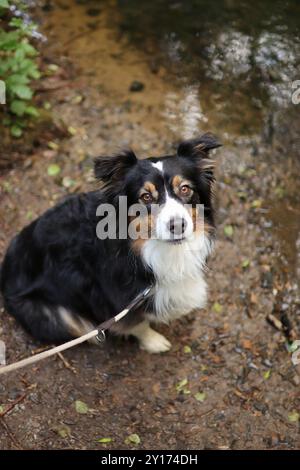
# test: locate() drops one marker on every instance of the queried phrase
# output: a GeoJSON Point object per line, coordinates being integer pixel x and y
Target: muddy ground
{"type": "Point", "coordinates": [228, 381]}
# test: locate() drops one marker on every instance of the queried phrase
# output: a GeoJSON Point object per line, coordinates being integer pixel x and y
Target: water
{"type": "Point", "coordinates": [236, 58]}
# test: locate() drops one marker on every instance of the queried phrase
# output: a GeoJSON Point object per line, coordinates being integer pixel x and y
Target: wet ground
{"type": "Point", "coordinates": [118, 75]}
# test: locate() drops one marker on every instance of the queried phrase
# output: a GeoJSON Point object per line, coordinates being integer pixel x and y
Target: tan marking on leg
{"type": "Point", "coordinates": [76, 325]}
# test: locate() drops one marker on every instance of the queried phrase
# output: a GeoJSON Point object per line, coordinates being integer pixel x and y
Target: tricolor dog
{"type": "Point", "coordinates": [60, 278]}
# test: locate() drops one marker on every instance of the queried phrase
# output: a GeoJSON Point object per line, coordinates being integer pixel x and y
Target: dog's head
{"type": "Point", "coordinates": [169, 198]}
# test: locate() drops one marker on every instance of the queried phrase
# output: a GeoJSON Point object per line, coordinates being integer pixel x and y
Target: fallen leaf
{"type": "Point", "coordinates": [256, 204]}
{"type": "Point", "coordinates": [228, 230]}
{"type": "Point", "coordinates": [72, 130]}
{"type": "Point", "coordinates": [217, 307]}
{"type": "Point", "coordinates": [81, 407]}
{"type": "Point", "coordinates": [294, 417]}
{"type": "Point", "coordinates": [200, 396]}
{"type": "Point", "coordinates": [67, 182]}
{"type": "Point", "coordinates": [63, 431]}
{"type": "Point", "coordinates": [180, 386]}
{"type": "Point", "coordinates": [187, 349]}
{"type": "Point", "coordinates": [53, 170]}
{"type": "Point", "coordinates": [245, 264]}
{"type": "Point", "coordinates": [267, 374]}
{"type": "Point", "coordinates": [133, 439]}
{"type": "Point", "coordinates": [104, 440]}
{"type": "Point", "coordinates": [53, 145]}
{"type": "Point", "coordinates": [53, 67]}
{"type": "Point", "coordinates": [246, 344]}
{"type": "Point", "coordinates": [77, 99]}
{"type": "Point", "coordinates": [292, 347]}
{"type": "Point", "coordinates": [29, 215]}
{"type": "Point", "coordinates": [242, 195]}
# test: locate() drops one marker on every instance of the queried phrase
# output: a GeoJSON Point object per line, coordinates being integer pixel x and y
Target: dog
{"type": "Point", "coordinates": [59, 279]}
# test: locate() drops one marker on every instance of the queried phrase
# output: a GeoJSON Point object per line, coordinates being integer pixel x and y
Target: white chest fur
{"type": "Point", "coordinates": [180, 285]}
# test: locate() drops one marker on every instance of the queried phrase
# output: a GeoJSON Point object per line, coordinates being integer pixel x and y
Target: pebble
{"type": "Point", "coordinates": [136, 86]}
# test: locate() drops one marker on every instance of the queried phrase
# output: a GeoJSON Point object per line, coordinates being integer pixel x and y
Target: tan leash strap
{"type": "Point", "coordinates": [99, 333]}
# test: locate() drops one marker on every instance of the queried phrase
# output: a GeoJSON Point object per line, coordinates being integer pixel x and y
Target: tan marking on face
{"type": "Point", "coordinates": [145, 229]}
{"type": "Point", "coordinates": [177, 182]}
{"type": "Point", "coordinates": [200, 225]}
{"type": "Point", "coordinates": [149, 188]}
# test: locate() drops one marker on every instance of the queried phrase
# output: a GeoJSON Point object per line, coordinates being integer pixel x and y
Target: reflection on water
{"type": "Point", "coordinates": [183, 112]}
{"type": "Point", "coordinates": [246, 53]}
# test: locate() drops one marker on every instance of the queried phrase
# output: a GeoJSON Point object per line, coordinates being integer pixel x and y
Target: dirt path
{"type": "Point", "coordinates": [228, 382]}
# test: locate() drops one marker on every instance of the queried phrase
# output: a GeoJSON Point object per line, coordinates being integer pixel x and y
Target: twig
{"type": "Point", "coordinates": [12, 405]}
{"type": "Point", "coordinates": [10, 434]}
{"type": "Point", "coordinates": [66, 363]}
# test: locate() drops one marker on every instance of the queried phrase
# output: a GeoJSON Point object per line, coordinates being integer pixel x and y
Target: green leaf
{"type": "Point", "coordinates": [294, 417]}
{"type": "Point", "coordinates": [200, 396]}
{"type": "Point", "coordinates": [245, 264]}
{"type": "Point", "coordinates": [22, 91]}
{"type": "Point", "coordinates": [53, 169]}
{"type": "Point", "coordinates": [104, 440]}
{"type": "Point", "coordinates": [256, 204]}
{"type": "Point", "coordinates": [267, 374]}
{"type": "Point", "coordinates": [217, 307]}
{"type": "Point", "coordinates": [16, 131]}
{"type": "Point", "coordinates": [52, 145]}
{"type": "Point", "coordinates": [81, 407]}
{"type": "Point", "coordinates": [187, 349]}
{"type": "Point", "coordinates": [32, 111]}
{"type": "Point", "coordinates": [53, 67]}
{"type": "Point", "coordinates": [18, 107]}
{"type": "Point", "coordinates": [67, 182]}
{"type": "Point", "coordinates": [29, 215]}
{"type": "Point", "coordinates": [228, 230]}
{"type": "Point", "coordinates": [1, 409]}
{"type": "Point", "coordinates": [4, 4]}
{"type": "Point", "coordinates": [242, 195]}
{"type": "Point", "coordinates": [292, 347]}
{"type": "Point", "coordinates": [72, 130]}
{"type": "Point", "coordinates": [16, 79]}
{"type": "Point", "coordinates": [133, 439]}
{"type": "Point", "coordinates": [181, 385]}
{"type": "Point", "coordinates": [63, 431]}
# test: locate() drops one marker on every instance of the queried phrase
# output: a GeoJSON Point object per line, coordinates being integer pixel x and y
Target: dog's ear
{"type": "Point", "coordinates": [199, 147]}
{"type": "Point", "coordinates": [112, 170]}
{"type": "Point", "coordinates": [197, 150]}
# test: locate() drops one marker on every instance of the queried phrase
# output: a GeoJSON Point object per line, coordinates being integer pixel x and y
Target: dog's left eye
{"type": "Point", "coordinates": [146, 198]}
{"type": "Point", "coordinates": [185, 190]}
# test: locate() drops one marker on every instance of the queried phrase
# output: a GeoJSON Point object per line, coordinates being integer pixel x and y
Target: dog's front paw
{"type": "Point", "coordinates": [154, 342]}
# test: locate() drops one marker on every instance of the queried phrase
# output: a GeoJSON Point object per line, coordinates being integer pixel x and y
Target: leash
{"type": "Point", "coordinates": [98, 333]}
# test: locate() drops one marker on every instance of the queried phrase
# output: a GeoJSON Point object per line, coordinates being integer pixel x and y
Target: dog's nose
{"type": "Point", "coordinates": [177, 225]}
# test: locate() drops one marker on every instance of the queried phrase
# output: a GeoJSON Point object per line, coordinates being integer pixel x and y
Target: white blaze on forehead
{"type": "Point", "coordinates": [158, 166]}
{"type": "Point", "coordinates": [173, 209]}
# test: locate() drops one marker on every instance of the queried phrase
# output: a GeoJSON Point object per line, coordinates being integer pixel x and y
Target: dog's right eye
{"type": "Point", "coordinates": [146, 198]}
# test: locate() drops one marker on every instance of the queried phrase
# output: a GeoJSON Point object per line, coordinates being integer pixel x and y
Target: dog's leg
{"type": "Point", "coordinates": [149, 339]}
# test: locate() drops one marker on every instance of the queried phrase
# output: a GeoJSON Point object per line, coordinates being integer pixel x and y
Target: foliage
{"type": "Point", "coordinates": [18, 66]}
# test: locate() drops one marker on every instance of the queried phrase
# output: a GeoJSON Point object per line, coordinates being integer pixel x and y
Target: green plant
{"type": "Point", "coordinates": [18, 68]}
